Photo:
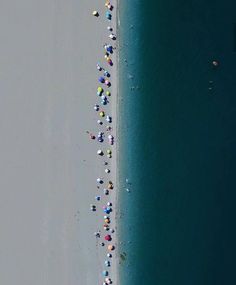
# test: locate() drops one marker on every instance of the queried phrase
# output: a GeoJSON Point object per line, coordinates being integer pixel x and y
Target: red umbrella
{"type": "Point", "coordinates": [108, 237]}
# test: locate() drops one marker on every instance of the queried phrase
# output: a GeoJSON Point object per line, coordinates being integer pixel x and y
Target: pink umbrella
{"type": "Point", "coordinates": [108, 237]}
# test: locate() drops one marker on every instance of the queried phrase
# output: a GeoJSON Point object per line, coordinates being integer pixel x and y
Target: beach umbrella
{"type": "Point", "coordinates": [109, 49]}
{"type": "Point", "coordinates": [106, 191]}
{"type": "Point", "coordinates": [109, 255]}
{"type": "Point", "coordinates": [108, 15]}
{"type": "Point", "coordinates": [108, 119]}
{"type": "Point", "coordinates": [108, 151]}
{"type": "Point", "coordinates": [112, 36]}
{"type": "Point", "coordinates": [108, 237]}
{"type": "Point", "coordinates": [107, 82]}
{"type": "Point", "coordinates": [108, 93]}
{"type": "Point", "coordinates": [102, 114]}
{"type": "Point", "coordinates": [106, 73]}
{"type": "Point", "coordinates": [92, 207]}
{"type": "Point", "coordinates": [110, 186]}
{"type": "Point", "coordinates": [112, 231]}
{"type": "Point", "coordinates": [96, 108]}
{"type": "Point", "coordinates": [106, 227]}
{"type": "Point", "coordinates": [107, 211]}
{"type": "Point", "coordinates": [101, 79]}
{"type": "Point", "coordinates": [92, 137]}
{"type": "Point", "coordinates": [107, 221]}
{"type": "Point", "coordinates": [105, 273]}
{"type": "Point", "coordinates": [107, 170]}
{"type": "Point", "coordinates": [99, 122]}
{"type": "Point", "coordinates": [110, 247]}
{"type": "Point", "coordinates": [109, 28]}
{"type": "Point", "coordinates": [109, 6]}
{"type": "Point", "coordinates": [110, 137]}
{"type": "Point", "coordinates": [100, 89]}
{"type": "Point", "coordinates": [95, 13]}
{"type": "Point", "coordinates": [108, 280]}
{"type": "Point", "coordinates": [100, 152]}
{"type": "Point", "coordinates": [99, 67]}
{"type": "Point", "coordinates": [99, 180]}
{"type": "Point", "coordinates": [110, 62]}
{"type": "Point", "coordinates": [109, 204]}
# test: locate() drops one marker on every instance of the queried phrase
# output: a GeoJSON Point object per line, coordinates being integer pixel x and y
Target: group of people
{"type": "Point", "coordinates": [105, 135]}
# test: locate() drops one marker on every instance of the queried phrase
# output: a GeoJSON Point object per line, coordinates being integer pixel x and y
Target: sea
{"type": "Point", "coordinates": [177, 142]}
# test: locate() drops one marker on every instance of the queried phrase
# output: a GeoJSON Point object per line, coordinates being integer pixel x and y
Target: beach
{"type": "Point", "coordinates": [49, 164]}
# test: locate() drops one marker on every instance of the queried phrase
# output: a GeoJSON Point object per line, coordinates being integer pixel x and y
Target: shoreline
{"type": "Point", "coordinates": [112, 107]}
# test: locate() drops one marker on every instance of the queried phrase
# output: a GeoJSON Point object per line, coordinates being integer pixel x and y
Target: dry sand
{"type": "Point", "coordinates": [48, 166]}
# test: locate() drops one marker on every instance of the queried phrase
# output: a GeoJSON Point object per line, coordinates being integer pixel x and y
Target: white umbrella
{"type": "Point", "coordinates": [108, 119]}
{"type": "Point", "coordinates": [95, 13]}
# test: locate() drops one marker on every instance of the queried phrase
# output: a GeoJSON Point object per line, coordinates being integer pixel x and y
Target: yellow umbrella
{"type": "Point", "coordinates": [109, 151]}
{"type": "Point", "coordinates": [102, 114]}
{"type": "Point", "coordinates": [100, 89]}
{"type": "Point", "coordinates": [108, 93]}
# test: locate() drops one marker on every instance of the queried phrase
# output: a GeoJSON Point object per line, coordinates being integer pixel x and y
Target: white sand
{"type": "Point", "coordinates": [48, 165]}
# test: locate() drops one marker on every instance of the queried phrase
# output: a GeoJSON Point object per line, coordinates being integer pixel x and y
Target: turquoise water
{"type": "Point", "coordinates": [178, 142]}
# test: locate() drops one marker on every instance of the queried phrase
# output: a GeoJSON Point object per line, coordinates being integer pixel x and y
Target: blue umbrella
{"type": "Point", "coordinates": [105, 273]}
{"type": "Point", "coordinates": [108, 15]}
{"type": "Point", "coordinates": [107, 74]}
{"type": "Point", "coordinates": [101, 79]}
{"type": "Point", "coordinates": [109, 49]}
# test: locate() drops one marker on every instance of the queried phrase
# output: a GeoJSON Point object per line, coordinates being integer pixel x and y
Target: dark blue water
{"type": "Point", "coordinates": [178, 142]}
